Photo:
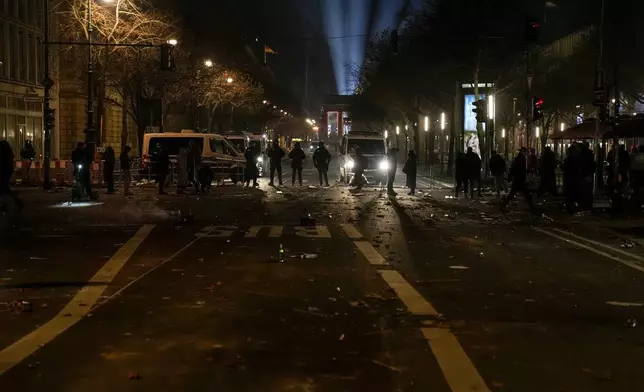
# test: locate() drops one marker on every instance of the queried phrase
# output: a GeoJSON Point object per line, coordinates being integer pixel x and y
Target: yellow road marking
{"type": "Point", "coordinates": [457, 368]}
{"type": "Point", "coordinates": [76, 309]}
{"type": "Point", "coordinates": [417, 305]}
{"type": "Point", "coordinates": [351, 231]}
{"type": "Point", "coordinates": [370, 253]}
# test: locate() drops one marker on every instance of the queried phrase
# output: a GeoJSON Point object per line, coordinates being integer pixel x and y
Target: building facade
{"type": "Point", "coordinates": [21, 72]}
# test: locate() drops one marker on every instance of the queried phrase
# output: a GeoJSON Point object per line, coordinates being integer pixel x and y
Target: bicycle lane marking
{"type": "Point", "coordinates": [77, 308]}
{"type": "Point", "coordinates": [458, 370]}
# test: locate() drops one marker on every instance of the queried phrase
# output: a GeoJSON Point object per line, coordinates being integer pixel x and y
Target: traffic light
{"type": "Point", "coordinates": [50, 119]}
{"type": "Point", "coordinates": [167, 60]}
{"type": "Point", "coordinates": [537, 108]}
{"type": "Point", "coordinates": [531, 34]}
{"type": "Point", "coordinates": [480, 108]}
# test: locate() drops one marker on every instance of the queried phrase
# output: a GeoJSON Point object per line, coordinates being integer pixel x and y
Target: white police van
{"type": "Point", "coordinates": [373, 147]}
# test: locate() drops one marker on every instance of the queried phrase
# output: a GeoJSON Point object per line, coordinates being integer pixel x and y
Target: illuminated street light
{"type": "Point", "coordinates": [386, 134]}
{"type": "Point", "coordinates": [426, 123]}
{"type": "Point", "coordinates": [173, 42]}
{"type": "Point", "coordinates": [397, 130]}
{"type": "Point", "coordinates": [442, 121]}
{"type": "Point", "coordinates": [264, 102]}
{"type": "Point", "coordinates": [537, 131]}
{"type": "Point", "coordinates": [229, 80]}
{"type": "Point", "coordinates": [562, 126]}
{"type": "Point", "coordinates": [503, 133]}
{"type": "Point", "coordinates": [208, 63]}
{"type": "Point", "coordinates": [316, 128]}
{"type": "Point", "coordinates": [490, 107]}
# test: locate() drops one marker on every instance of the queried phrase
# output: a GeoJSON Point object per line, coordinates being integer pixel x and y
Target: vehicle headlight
{"type": "Point", "coordinates": [384, 165]}
{"type": "Point", "coordinates": [350, 164]}
{"type": "Point", "coordinates": [260, 159]}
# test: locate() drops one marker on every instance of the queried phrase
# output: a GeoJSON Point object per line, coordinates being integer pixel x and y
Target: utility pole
{"type": "Point", "coordinates": [48, 83]}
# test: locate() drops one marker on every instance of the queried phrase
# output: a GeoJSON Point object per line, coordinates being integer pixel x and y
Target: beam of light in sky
{"type": "Point", "coordinates": [347, 21]}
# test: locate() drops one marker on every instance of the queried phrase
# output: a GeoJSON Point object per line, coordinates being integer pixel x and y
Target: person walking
{"type": "Point", "coordinates": [297, 157]}
{"type": "Point", "coordinates": [321, 161]}
{"type": "Point", "coordinates": [497, 169]}
{"type": "Point", "coordinates": [182, 170]}
{"type": "Point", "coordinates": [125, 168]}
{"type": "Point", "coordinates": [410, 169]}
{"type": "Point", "coordinates": [275, 155]}
{"type": "Point", "coordinates": [392, 159]}
{"type": "Point", "coordinates": [473, 167]}
{"type": "Point", "coordinates": [109, 162]}
{"type": "Point", "coordinates": [519, 177]}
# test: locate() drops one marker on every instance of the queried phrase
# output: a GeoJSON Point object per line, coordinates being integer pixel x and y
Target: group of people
{"type": "Point", "coordinates": [189, 169]}
{"type": "Point", "coordinates": [321, 160]}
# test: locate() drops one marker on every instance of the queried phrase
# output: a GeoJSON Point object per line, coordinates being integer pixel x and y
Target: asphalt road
{"type": "Point", "coordinates": [405, 293]}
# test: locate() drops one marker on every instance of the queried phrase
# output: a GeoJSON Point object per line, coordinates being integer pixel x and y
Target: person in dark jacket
{"type": "Point", "coordinates": [195, 158]}
{"type": "Point", "coordinates": [473, 163]}
{"type": "Point", "coordinates": [28, 153]}
{"type": "Point", "coordinates": [81, 160]}
{"type": "Point", "coordinates": [588, 167]}
{"type": "Point", "coordinates": [321, 161]}
{"type": "Point", "coordinates": [547, 172]}
{"type": "Point", "coordinates": [532, 162]}
{"type": "Point", "coordinates": [109, 161]}
{"type": "Point", "coordinates": [410, 170]}
{"type": "Point", "coordinates": [6, 172]}
{"type": "Point", "coordinates": [519, 177]}
{"type": "Point", "coordinates": [250, 173]}
{"type": "Point", "coordinates": [497, 169]}
{"type": "Point", "coordinates": [297, 157]}
{"type": "Point", "coordinates": [460, 175]}
{"type": "Point", "coordinates": [125, 168]}
{"type": "Point", "coordinates": [161, 167]}
{"type": "Point", "coordinates": [275, 155]}
{"type": "Point", "coordinates": [572, 178]}
{"type": "Point", "coordinates": [392, 159]}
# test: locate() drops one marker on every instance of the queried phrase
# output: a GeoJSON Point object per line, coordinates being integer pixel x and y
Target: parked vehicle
{"type": "Point", "coordinates": [373, 146]}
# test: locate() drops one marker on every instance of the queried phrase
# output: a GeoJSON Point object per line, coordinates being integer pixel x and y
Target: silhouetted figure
{"type": "Point", "coordinates": [497, 169]}
{"type": "Point", "coordinates": [519, 176]}
{"type": "Point", "coordinates": [250, 173]}
{"type": "Point", "coordinates": [297, 157]}
{"type": "Point", "coordinates": [460, 175]}
{"type": "Point", "coordinates": [392, 159]}
{"type": "Point", "coordinates": [473, 163]}
{"type": "Point", "coordinates": [321, 161]}
{"type": "Point", "coordinates": [548, 172]}
{"type": "Point", "coordinates": [410, 169]}
{"type": "Point", "coordinates": [275, 155]}
{"type": "Point", "coordinates": [28, 153]}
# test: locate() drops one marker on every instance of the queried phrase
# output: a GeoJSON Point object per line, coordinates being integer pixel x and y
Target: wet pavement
{"type": "Point", "coordinates": [379, 293]}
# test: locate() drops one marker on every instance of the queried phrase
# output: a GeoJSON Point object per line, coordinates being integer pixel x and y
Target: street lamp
{"type": "Point", "coordinates": [386, 134]}
{"type": "Point", "coordinates": [562, 126]}
{"type": "Point", "coordinates": [503, 133]}
{"type": "Point", "coordinates": [229, 80]}
{"type": "Point", "coordinates": [426, 123]}
{"type": "Point", "coordinates": [397, 130]}
{"type": "Point", "coordinates": [490, 107]}
{"type": "Point", "coordinates": [173, 42]}
{"type": "Point", "coordinates": [208, 63]}
{"type": "Point", "coordinates": [442, 121]}
{"type": "Point", "coordinates": [536, 132]}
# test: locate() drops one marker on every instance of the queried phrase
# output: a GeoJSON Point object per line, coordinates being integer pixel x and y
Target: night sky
{"type": "Point", "coordinates": [330, 33]}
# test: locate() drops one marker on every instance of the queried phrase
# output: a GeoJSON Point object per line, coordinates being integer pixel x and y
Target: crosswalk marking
{"type": "Point", "coordinates": [351, 231]}
{"type": "Point", "coordinates": [273, 231]}
{"type": "Point", "coordinates": [217, 231]}
{"type": "Point", "coordinates": [312, 231]}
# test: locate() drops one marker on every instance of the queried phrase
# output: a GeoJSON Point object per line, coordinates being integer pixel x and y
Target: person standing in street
{"type": "Point", "coordinates": [392, 155]}
{"type": "Point", "coordinates": [28, 153]}
{"type": "Point", "coordinates": [410, 170]}
{"type": "Point", "coordinates": [473, 164]}
{"type": "Point", "coordinates": [81, 160]}
{"type": "Point", "coordinates": [251, 172]}
{"type": "Point", "coordinates": [194, 164]}
{"type": "Point", "coordinates": [161, 167]}
{"type": "Point", "coordinates": [109, 161]}
{"type": "Point", "coordinates": [125, 168]}
{"type": "Point", "coordinates": [548, 173]}
{"type": "Point", "coordinates": [361, 164]}
{"type": "Point", "coordinates": [297, 157]}
{"type": "Point", "coordinates": [275, 155]}
{"type": "Point", "coordinates": [519, 177]}
{"type": "Point", "coordinates": [6, 172]}
{"type": "Point", "coordinates": [460, 175]}
{"type": "Point", "coordinates": [321, 161]}
{"type": "Point", "coordinates": [497, 169]}
{"type": "Point", "coordinates": [182, 170]}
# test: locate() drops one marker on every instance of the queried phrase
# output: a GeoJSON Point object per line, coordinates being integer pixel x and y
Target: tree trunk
{"type": "Point", "coordinates": [211, 117]}
{"type": "Point", "coordinates": [232, 119]}
{"type": "Point", "coordinates": [124, 130]}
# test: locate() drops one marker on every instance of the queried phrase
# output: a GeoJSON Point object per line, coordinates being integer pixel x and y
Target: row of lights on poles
{"type": "Point", "coordinates": [282, 111]}
{"type": "Point", "coordinates": [443, 122]}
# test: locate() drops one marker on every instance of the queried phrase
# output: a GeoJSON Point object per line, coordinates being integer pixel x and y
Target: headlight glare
{"type": "Point", "coordinates": [350, 164]}
{"type": "Point", "coordinates": [260, 159]}
{"type": "Point", "coordinates": [384, 165]}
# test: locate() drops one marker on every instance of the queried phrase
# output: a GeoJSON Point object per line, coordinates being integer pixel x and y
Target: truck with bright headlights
{"type": "Point", "coordinates": [373, 146]}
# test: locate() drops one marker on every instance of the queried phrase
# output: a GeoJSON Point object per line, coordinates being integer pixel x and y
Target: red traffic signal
{"type": "Point", "coordinates": [537, 108]}
{"type": "Point", "coordinates": [531, 34]}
